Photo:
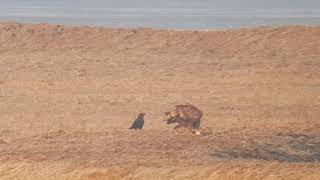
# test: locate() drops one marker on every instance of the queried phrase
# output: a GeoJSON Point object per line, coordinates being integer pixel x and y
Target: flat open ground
{"type": "Point", "coordinates": [69, 94]}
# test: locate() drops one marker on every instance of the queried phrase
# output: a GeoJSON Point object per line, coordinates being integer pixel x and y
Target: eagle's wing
{"type": "Point", "coordinates": [183, 117]}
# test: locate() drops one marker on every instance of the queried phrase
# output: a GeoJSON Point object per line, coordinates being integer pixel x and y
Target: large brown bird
{"type": "Point", "coordinates": [138, 123]}
{"type": "Point", "coordinates": [186, 116]}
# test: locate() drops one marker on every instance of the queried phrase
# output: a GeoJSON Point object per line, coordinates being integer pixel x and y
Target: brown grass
{"type": "Point", "coordinates": [68, 95]}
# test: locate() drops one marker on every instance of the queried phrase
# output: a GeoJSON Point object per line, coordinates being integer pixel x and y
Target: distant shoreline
{"type": "Point", "coordinates": [160, 29]}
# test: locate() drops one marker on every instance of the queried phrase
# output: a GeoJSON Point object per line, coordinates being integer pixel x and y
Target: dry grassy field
{"type": "Point", "coordinates": [69, 94]}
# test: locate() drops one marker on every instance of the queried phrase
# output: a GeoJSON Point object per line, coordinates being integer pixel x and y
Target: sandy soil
{"type": "Point", "coordinates": [68, 95]}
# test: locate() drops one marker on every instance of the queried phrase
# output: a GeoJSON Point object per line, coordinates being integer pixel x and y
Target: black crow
{"type": "Point", "coordinates": [138, 123]}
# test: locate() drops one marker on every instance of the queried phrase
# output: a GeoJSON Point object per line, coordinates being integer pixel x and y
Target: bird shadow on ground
{"type": "Point", "coordinates": [280, 147]}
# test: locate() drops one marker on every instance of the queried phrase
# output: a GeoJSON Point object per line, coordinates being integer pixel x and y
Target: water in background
{"type": "Point", "coordinates": [164, 14]}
